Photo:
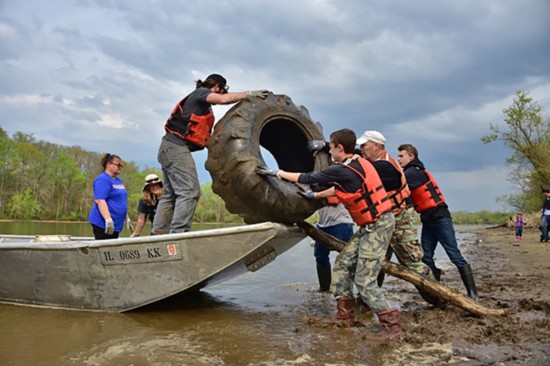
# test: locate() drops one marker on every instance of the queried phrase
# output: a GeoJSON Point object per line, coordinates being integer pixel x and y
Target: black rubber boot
{"type": "Point", "coordinates": [437, 274]}
{"type": "Point", "coordinates": [325, 277]}
{"type": "Point", "coordinates": [468, 279]}
{"type": "Point", "coordinates": [381, 275]}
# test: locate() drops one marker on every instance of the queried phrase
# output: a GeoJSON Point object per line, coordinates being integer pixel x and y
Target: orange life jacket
{"type": "Point", "coordinates": [427, 196]}
{"type": "Point", "coordinates": [333, 201]}
{"type": "Point", "coordinates": [370, 201]}
{"type": "Point", "coordinates": [193, 129]}
{"type": "Point", "coordinates": [398, 196]}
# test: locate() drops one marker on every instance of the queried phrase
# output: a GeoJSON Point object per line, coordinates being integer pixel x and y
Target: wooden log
{"type": "Point", "coordinates": [434, 288]}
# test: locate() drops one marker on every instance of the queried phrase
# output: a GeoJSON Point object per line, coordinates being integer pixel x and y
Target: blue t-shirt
{"type": "Point", "coordinates": [111, 190]}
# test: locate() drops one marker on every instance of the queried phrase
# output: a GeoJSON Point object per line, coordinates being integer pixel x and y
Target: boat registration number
{"type": "Point", "coordinates": [140, 253]}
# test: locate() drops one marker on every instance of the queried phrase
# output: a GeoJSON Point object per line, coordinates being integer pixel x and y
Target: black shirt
{"type": "Point", "coordinates": [337, 174]}
{"type": "Point", "coordinates": [390, 177]}
{"type": "Point", "coordinates": [148, 210]}
{"type": "Point", "coordinates": [415, 175]}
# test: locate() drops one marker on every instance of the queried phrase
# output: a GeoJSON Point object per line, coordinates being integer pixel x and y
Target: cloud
{"type": "Point", "coordinates": [105, 75]}
{"type": "Point", "coordinates": [468, 190]}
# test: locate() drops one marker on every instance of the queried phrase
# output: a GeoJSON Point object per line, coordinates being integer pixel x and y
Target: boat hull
{"type": "Point", "coordinates": [124, 274]}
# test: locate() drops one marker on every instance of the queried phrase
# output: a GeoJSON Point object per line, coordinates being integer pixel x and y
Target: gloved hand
{"type": "Point", "coordinates": [129, 225]}
{"type": "Point", "coordinates": [306, 191]}
{"type": "Point", "coordinates": [316, 145]}
{"type": "Point", "coordinates": [109, 226]}
{"type": "Point", "coordinates": [267, 171]}
{"type": "Point", "coordinates": [262, 94]}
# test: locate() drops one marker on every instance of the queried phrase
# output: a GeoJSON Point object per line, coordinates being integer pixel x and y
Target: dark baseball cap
{"type": "Point", "coordinates": [219, 79]}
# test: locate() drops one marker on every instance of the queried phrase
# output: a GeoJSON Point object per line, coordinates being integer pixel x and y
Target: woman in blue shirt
{"type": "Point", "coordinates": [110, 209]}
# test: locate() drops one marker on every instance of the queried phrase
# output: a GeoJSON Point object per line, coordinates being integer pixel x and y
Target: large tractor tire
{"type": "Point", "coordinates": [281, 128]}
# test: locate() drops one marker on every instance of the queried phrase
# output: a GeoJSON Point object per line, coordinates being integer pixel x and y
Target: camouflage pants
{"type": "Point", "coordinates": [360, 261]}
{"type": "Point", "coordinates": [405, 244]}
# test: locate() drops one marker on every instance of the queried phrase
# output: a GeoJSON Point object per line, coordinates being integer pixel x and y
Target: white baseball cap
{"type": "Point", "coordinates": [373, 136]}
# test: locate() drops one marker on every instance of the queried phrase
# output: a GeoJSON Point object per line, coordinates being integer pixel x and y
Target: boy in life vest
{"type": "Point", "coordinates": [437, 224]}
{"type": "Point", "coordinates": [357, 185]}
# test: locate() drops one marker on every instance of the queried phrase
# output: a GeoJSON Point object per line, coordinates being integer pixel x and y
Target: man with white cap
{"type": "Point", "coordinates": [404, 242]}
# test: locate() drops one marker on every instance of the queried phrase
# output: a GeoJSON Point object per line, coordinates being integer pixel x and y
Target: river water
{"type": "Point", "coordinates": [260, 318]}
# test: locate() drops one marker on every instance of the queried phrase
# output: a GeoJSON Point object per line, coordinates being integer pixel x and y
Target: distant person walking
{"type": "Point", "coordinates": [545, 219]}
{"type": "Point", "coordinates": [151, 193]}
{"type": "Point", "coordinates": [519, 223]}
{"type": "Point", "coordinates": [437, 224]}
{"type": "Point", "coordinates": [111, 208]}
{"type": "Point", "coordinates": [188, 129]}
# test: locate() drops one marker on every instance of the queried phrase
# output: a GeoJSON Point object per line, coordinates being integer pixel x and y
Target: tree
{"type": "Point", "coordinates": [24, 206]}
{"type": "Point", "coordinates": [527, 134]}
{"type": "Point", "coordinates": [7, 147]}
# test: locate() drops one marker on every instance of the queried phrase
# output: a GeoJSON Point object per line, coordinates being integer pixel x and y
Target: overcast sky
{"type": "Point", "coordinates": [105, 74]}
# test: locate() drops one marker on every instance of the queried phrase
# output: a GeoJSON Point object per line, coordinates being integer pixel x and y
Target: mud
{"type": "Point", "coordinates": [509, 276]}
{"type": "Point", "coordinates": [269, 318]}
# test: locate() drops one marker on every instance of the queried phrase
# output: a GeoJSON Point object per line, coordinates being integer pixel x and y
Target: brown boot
{"type": "Point", "coordinates": [389, 319]}
{"type": "Point", "coordinates": [346, 312]}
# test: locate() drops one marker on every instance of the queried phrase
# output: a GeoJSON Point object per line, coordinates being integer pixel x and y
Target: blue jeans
{"type": "Point", "coordinates": [440, 230]}
{"type": "Point", "coordinates": [343, 232]}
{"type": "Point", "coordinates": [545, 221]}
{"type": "Point", "coordinates": [181, 189]}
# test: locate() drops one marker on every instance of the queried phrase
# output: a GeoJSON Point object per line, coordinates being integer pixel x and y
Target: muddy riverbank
{"type": "Point", "coordinates": [263, 318]}
{"type": "Point", "coordinates": [510, 276]}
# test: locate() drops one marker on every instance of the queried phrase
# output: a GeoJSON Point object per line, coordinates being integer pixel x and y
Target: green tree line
{"type": "Point", "coordinates": [526, 133]}
{"type": "Point", "coordinates": [45, 181]}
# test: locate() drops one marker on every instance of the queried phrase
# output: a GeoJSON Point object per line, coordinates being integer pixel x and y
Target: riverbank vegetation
{"type": "Point", "coordinates": [526, 133]}
{"type": "Point", "coordinates": [45, 181]}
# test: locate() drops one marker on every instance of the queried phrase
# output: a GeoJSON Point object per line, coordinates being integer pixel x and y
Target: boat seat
{"type": "Point", "coordinates": [51, 238]}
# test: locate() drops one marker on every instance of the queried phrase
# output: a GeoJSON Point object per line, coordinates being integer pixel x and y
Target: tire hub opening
{"type": "Point", "coordinates": [288, 145]}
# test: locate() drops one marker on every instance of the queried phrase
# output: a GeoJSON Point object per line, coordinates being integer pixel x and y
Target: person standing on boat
{"type": "Point", "coordinates": [188, 129]}
{"type": "Point", "coordinates": [437, 223]}
{"type": "Point", "coordinates": [111, 208]}
{"type": "Point", "coordinates": [358, 186]}
{"type": "Point", "coordinates": [147, 206]}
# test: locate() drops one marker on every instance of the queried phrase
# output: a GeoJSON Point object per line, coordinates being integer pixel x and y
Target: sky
{"type": "Point", "coordinates": [105, 74]}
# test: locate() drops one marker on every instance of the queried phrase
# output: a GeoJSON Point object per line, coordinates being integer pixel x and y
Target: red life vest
{"type": "Point", "coordinates": [333, 201]}
{"type": "Point", "coordinates": [370, 201]}
{"type": "Point", "coordinates": [427, 196]}
{"type": "Point", "coordinates": [193, 129]}
{"type": "Point", "coordinates": [398, 196]}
